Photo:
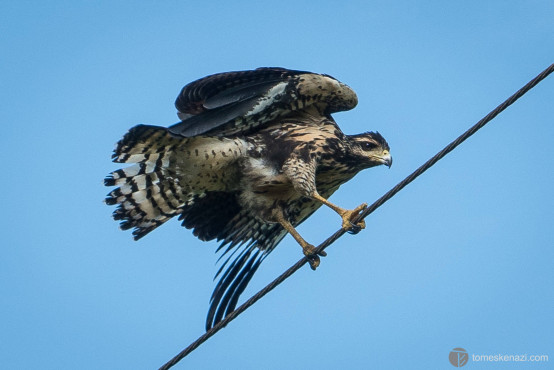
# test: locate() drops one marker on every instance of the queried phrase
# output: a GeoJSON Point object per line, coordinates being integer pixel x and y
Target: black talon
{"type": "Point", "coordinates": [354, 229]}
{"type": "Point", "coordinates": [313, 257]}
{"type": "Point", "coordinates": [313, 261]}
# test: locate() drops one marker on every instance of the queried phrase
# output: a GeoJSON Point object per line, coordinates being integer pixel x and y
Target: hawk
{"type": "Point", "coordinates": [255, 154]}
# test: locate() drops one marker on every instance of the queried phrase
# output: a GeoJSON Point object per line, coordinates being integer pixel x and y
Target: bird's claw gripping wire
{"type": "Point", "coordinates": [348, 216]}
{"type": "Point", "coordinates": [313, 257]}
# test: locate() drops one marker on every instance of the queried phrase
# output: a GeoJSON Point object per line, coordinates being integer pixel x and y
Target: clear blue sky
{"type": "Point", "coordinates": [461, 258]}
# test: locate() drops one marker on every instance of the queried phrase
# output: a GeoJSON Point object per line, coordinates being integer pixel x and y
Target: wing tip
{"type": "Point", "coordinates": [230, 287]}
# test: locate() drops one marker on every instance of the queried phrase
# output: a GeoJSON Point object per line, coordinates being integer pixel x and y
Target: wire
{"type": "Point", "coordinates": [512, 99]}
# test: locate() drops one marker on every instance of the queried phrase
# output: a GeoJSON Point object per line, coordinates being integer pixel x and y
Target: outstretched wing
{"type": "Point", "coordinates": [239, 102]}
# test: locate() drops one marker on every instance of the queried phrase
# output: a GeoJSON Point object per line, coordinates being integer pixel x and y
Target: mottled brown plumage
{"type": "Point", "coordinates": [256, 153]}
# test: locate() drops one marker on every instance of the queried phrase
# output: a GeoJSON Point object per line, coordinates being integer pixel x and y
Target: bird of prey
{"type": "Point", "coordinates": [255, 154]}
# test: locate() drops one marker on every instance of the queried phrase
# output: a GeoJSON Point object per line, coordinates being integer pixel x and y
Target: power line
{"type": "Point", "coordinates": [512, 99]}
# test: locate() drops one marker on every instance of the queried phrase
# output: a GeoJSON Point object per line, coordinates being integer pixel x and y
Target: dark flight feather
{"type": "Point", "coordinates": [217, 215]}
{"type": "Point", "coordinates": [192, 97]}
{"type": "Point", "coordinates": [239, 102]}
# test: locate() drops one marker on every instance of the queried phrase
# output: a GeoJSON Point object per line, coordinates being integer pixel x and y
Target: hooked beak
{"type": "Point", "coordinates": [387, 159]}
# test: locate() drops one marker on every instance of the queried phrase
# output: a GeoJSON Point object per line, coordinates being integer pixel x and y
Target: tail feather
{"type": "Point", "coordinates": [146, 196]}
{"type": "Point", "coordinates": [141, 141]}
{"type": "Point", "coordinates": [122, 175]}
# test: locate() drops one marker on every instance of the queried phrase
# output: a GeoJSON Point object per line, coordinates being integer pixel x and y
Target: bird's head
{"type": "Point", "coordinates": [370, 149]}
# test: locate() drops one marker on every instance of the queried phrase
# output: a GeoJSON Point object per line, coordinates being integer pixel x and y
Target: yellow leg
{"type": "Point", "coordinates": [307, 248]}
{"type": "Point", "coordinates": [346, 215]}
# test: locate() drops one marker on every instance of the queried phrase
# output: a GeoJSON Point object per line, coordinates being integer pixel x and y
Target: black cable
{"type": "Point", "coordinates": [364, 214]}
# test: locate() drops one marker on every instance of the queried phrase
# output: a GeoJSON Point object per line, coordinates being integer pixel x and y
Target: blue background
{"type": "Point", "coordinates": [460, 258]}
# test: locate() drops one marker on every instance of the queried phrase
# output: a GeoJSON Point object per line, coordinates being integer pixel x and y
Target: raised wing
{"type": "Point", "coordinates": [239, 102]}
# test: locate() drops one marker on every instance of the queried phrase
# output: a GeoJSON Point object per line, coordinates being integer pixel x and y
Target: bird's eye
{"type": "Point", "coordinates": [368, 145]}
